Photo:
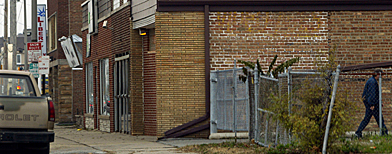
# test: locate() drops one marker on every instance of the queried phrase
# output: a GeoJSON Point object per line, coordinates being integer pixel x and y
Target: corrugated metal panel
{"type": "Point", "coordinates": [144, 22]}
{"type": "Point", "coordinates": [143, 8]}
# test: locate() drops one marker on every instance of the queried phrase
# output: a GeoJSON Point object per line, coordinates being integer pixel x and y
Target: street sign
{"type": "Point", "coordinates": [34, 69]}
{"type": "Point", "coordinates": [43, 65]}
{"type": "Point", "coordinates": [34, 50]}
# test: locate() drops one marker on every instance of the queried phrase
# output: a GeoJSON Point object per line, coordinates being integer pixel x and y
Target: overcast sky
{"type": "Point", "coordinates": [19, 15]}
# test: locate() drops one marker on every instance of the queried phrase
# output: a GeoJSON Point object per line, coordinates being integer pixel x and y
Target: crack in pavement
{"type": "Point", "coordinates": [80, 143]}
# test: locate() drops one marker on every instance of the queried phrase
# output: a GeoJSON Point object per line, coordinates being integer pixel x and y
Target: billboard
{"type": "Point", "coordinates": [41, 26]}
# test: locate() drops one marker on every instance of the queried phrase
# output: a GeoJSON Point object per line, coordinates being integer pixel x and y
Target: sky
{"type": "Point", "coordinates": [19, 15]}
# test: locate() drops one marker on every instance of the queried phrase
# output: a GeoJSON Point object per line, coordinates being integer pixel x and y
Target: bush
{"type": "Point", "coordinates": [308, 118]}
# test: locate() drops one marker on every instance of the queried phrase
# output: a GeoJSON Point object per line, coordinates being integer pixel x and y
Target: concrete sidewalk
{"type": "Point", "coordinates": [69, 140]}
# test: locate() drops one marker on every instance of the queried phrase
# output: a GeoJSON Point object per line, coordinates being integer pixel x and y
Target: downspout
{"type": "Point", "coordinates": [179, 131]}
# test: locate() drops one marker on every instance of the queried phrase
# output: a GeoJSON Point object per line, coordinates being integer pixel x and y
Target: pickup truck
{"type": "Point", "coordinates": [26, 117]}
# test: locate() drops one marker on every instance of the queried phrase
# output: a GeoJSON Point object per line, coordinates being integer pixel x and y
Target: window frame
{"type": "Point", "coordinates": [52, 29]}
{"type": "Point", "coordinates": [19, 59]}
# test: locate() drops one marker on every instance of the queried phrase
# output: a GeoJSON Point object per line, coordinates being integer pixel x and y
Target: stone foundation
{"type": "Point", "coordinates": [104, 125]}
{"type": "Point", "coordinates": [89, 123]}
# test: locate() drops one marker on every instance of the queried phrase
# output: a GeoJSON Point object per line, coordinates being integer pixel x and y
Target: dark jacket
{"type": "Point", "coordinates": [371, 93]}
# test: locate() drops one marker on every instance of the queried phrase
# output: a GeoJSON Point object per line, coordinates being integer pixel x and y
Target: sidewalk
{"type": "Point", "coordinates": [68, 140]}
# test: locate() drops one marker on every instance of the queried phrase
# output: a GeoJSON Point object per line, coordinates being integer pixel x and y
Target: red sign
{"type": "Point", "coordinates": [34, 50]}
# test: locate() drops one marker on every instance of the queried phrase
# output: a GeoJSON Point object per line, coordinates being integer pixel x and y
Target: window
{"type": "Point", "coordinates": [16, 85]}
{"type": "Point", "coordinates": [105, 96]}
{"type": "Point", "coordinates": [85, 14]}
{"type": "Point", "coordinates": [18, 59]}
{"type": "Point", "coordinates": [52, 32]}
{"type": "Point", "coordinates": [125, 1]}
{"type": "Point", "coordinates": [104, 8]}
{"type": "Point", "coordinates": [89, 89]}
{"type": "Point", "coordinates": [116, 4]}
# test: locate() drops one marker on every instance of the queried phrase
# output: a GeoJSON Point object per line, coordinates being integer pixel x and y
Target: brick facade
{"type": "Point", "coordinates": [262, 35]}
{"type": "Point", "coordinates": [149, 84]}
{"type": "Point", "coordinates": [179, 68]}
{"type": "Point", "coordinates": [61, 77]}
{"type": "Point", "coordinates": [106, 44]}
{"type": "Point", "coordinates": [364, 37]}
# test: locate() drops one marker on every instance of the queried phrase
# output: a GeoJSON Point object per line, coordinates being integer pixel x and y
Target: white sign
{"type": "Point", "coordinates": [41, 26]}
{"type": "Point", "coordinates": [70, 53]}
{"type": "Point", "coordinates": [43, 65]}
{"type": "Point", "coordinates": [90, 17]}
{"type": "Point", "coordinates": [34, 50]}
{"type": "Point", "coordinates": [34, 69]}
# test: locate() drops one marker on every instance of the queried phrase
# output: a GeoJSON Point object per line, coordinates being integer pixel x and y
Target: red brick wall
{"type": "Point", "coordinates": [262, 35]}
{"type": "Point", "coordinates": [78, 90]}
{"type": "Point", "coordinates": [106, 44]}
{"type": "Point", "coordinates": [149, 75]}
{"type": "Point", "coordinates": [363, 37]}
{"type": "Point", "coordinates": [136, 82]}
{"type": "Point", "coordinates": [61, 8]}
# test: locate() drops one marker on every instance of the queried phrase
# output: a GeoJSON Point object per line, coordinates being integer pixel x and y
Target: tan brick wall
{"type": "Point", "coordinates": [262, 35]}
{"type": "Point", "coordinates": [180, 68]}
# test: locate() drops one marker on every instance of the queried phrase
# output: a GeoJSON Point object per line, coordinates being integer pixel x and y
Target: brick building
{"type": "Point", "coordinates": [64, 19]}
{"type": "Point", "coordinates": [147, 63]}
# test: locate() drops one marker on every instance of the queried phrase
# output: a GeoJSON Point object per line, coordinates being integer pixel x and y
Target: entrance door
{"type": "Point", "coordinates": [121, 97]}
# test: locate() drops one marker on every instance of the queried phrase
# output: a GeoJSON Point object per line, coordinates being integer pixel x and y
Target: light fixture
{"type": "Point", "coordinates": [142, 32]}
{"type": "Point", "coordinates": [63, 38]}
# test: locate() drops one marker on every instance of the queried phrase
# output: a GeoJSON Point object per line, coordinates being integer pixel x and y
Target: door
{"type": "Point", "coordinates": [121, 96]}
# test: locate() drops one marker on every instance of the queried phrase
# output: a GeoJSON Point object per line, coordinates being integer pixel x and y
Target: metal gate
{"type": "Point", "coordinates": [230, 104]}
{"type": "Point", "coordinates": [121, 95]}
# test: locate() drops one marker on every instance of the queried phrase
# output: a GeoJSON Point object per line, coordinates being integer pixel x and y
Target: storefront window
{"type": "Point", "coordinates": [105, 96]}
{"type": "Point", "coordinates": [89, 88]}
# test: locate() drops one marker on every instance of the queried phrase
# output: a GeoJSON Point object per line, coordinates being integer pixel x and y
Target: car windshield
{"type": "Point", "coordinates": [16, 85]}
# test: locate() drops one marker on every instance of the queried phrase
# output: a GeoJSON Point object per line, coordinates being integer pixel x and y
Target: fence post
{"type": "Point", "coordinates": [289, 95]}
{"type": "Point", "coordinates": [234, 104]}
{"type": "Point", "coordinates": [213, 95]}
{"type": "Point", "coordinates": [256, 104]}
{"type": "Point", "coordinates": [335, 86]}
{"type": "Point", "coordinates": [380, 103]}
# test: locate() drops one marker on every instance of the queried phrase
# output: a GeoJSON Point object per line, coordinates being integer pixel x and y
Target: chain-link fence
{"type": "Point", "coordinates": [269, 132]}
{"type": "Point", "coordinates": [365, 88]}
{"type": "Point", "coordinates": [229, 101]}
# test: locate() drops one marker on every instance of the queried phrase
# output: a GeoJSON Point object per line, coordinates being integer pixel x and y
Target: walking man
{"type": "Point", "coordinates": [370, 98]}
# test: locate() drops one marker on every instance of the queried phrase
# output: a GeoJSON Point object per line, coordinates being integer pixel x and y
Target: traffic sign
{"type": "Point", "coordinates": [34, 69]}
{"type": "Point", "coordinates": [43, 65]}
{"type": "Point", "coordinates": [34, 50]}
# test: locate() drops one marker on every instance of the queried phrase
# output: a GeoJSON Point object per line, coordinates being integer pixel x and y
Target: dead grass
{"type": "Point", "coordinates": [224, 148]}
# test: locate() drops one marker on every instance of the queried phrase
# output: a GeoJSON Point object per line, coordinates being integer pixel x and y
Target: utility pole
{"type": "Point", "coordinates": [13, 36]}
{"type": "Point", "coordinates": [26, 65]}
{"type": "Point", "coordinates": [5, 59]}
{"type": "Point", "coordinates": [33, 20]}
